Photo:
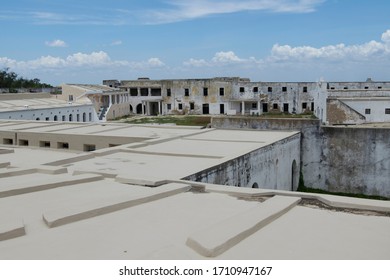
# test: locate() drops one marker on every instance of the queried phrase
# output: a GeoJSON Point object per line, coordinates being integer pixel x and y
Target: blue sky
{"type": "Point", "coordinates": [78, 41]}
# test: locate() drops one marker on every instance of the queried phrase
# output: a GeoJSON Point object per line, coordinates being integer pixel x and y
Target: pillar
{"type": "Point", "coordinates": [243, 108]}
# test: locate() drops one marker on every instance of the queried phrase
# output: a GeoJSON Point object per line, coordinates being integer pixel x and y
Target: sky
{"type": "Point", "coordinates": [79, 41]}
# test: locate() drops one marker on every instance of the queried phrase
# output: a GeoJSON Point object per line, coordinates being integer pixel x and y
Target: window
{"type": "Point", "coordinates": [70, 98]}
{"type": "Point", "coordinates": [23, 142]}
{"type": "Point", "coordinates": [304, 89]}
{"type": "Point", "coordinates": [345, 87]}
{"type": "Point", "coordinates": [133, 91]}
{"type": "Point", "coordinates": [44, 144]}
{"type": "Point", "coordinates": [379, 87]}
{"type": "Point", "coordinates": [332, 88]}
{"type": "Point", "coordinates": [275, 106]}
{"type": "Point", "coordinates": [221, 91]}
{"type": "Point", "coordinates": [285, 107]}
{"type": "Point", "coordinates": [192, 106]}
{"type": "Point", "coordinates": [89, 147]}
{"type": "Point", "coordinates": [242, 89]}
{"type": "Point", "coordinates": [367, 111]}
{"type": "Point", "coordinates": [180, 106]}
{"type": "Point", "coordinates": [168, 92]}
{"type": "Point", "coordinates": [255, 89]}
{"type": "Point", "coordinates": [304, 105]}
{"type": "Point", "coordinates": [387, 111]}
{"type": "Point", "coordinates": [63, 118]}
{"type": "Point", "coordinates": [265, 107]}
{"type": "Point", "coordinates": [90, 117]}
{"type": "Point", "coordinates": [312, 106]}
{"type": "Point", "coordinates": [169, 106]}
{"type": "Point", "coordinates": [365, 87]}
{"type": "Point", "coordinates": [144, 92]}
{"type": "Point", "coordinates": [269, 89]}
{"type": "Point", "coordinates": [47, 119]}
{"type": "Point", "coordinates": [63, 145]}
{"type": "Point", "coordinates": [284, 89]}
{"type": "Point", "coordinates": [78, 117]}
{"type": "Point", "coordinates": [187, 92]}
{"type": "Point", "coordinates": [254, 105]}
{"type": "Point", "coordinates": [8, 141]}
{"type": "Point", "coordinates": [205, 91]}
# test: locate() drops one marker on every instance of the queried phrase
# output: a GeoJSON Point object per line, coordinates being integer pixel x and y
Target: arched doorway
{"type": "Point", "coordinates": [131, 110]}
{"type": "Point", "coordinates": [139, 109]}
{"type": "Point", "coordinates": [255, 186]}
{"type": "Point", "coordinates": [84, 117]}
{"type": "Point", "coordinates": [294, 176]}
{"type": "Point", "coordinates": [55, 118]}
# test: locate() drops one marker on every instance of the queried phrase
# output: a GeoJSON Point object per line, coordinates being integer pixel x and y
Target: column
{"type": "Point", "coordinates": [110, 100]}
{"type": "Point", "coordinates": [258, 107]}
{"type": "Point", "coordinates": [243, 108]}
{"type": "Point", "coordinates": [143, 111]}
{"type": "Point", "coordinates": [159, 108]}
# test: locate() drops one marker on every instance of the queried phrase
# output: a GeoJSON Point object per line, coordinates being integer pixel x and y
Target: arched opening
{"type": "Point", "coordinates": [294, 176]}
{"type": "Point", "coordinates": [37, 119]}
{"type": "Point", "coordinates": [84, 117]}
{"type": "Point", "coordinates": [55, 118]}
{"type": "Point", "coordinates": [139, 109]}
{"type": "Point", "coordinates": [70, 117]}
{"type": "Point", "coordinates": [131, 109]}
{"type": "Point", "coordinates": [255, 186]}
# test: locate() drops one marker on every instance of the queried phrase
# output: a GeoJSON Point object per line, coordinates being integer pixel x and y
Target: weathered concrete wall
{"type": "Point", "coordinates": [20, 96]}
{"type": "Point", "coordinates": [340, 113]}
{"type": "Point", "coordinates": [275, 166]}
{"type": "Point", "coordinates": [310, 147]}
{"type": "Point", "coordinates": [333, 158]}
{"type": "Point", "coordinates": [357, 160]}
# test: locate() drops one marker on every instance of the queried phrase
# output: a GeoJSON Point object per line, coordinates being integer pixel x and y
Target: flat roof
{"type": "Point", "coordinates": [130, 202]}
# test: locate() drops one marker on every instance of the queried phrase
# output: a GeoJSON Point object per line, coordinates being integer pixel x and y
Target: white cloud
{"type": "Point", "coordinates": [226, 57]}
{"type": "Point", "coordinates": [196, 62]}
{"type": "Point", "coordinates": [155, 62]}
{"type": "Point", "coordinates": [188, 9]}
{"type": "Point", "coordinates": [55, 43]}
{"type": "Point", "coordinates": [116, 43]}
{"type": "Point", "coordinates": [364, 51]}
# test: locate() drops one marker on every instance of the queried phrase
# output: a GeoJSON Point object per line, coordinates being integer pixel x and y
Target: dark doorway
{"type": "Point", "coordinates": [265, 107]}
{"type": "Point", "coordinates": [222, 109]}
{"type": "Point", "coordinates": [205, 110]}
{"type": "Point", "coordinates": [153, 107]}
{"type": "Point", "coordinates": [139, 109]}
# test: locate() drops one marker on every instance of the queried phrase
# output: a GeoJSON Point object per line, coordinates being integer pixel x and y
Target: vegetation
{"type": "Point", "coordinates": [178, 120]}
{"type": "Point", "coordinates": [11, 81]}
{"type": "Point", "coordinates": [303, 188]}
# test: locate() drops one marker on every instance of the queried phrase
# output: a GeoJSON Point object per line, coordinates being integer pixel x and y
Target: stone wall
{"type": "Point", "coordinates": [333, 158]}
{"type": "Point", "coordinates": [275, 166]}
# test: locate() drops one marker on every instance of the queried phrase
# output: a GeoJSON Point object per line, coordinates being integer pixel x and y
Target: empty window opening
{"type": "Point", "coordinates": [47, 119]}
{"type": "Point", "coordinates": [312, 107]}
{"type": "Point", "coordinates": [180, 106]}
{"type": "Point", "coordinates": [192, 105]}
{"type": "Point", "coordinates": [269, 89]}
{"type": "Point", "coordinates": [90, 114]}
{"type": "Point", "coordinates": [55, 118]}
{"type": "Point", "coordinates": [205, 91]}
{"type": "Point", "coordinates": [84, 117]}
{"type": "Point", "coordinates": [70, 117]}
{"type": "Point", "coordinates": [70, 98]}
{"type": "Point", "coordinates": [285, 107]}
{"type": "Point", "coordinates": [169, 106]}
{"type": "Point", "coordinates": [255, 186]}
{"type": "Point", "coordinates": [365, 87]}
{"type": "Point", "coordinates": [265, 107]}
{"type": "Point", "coordinates": [345, 87]}
{"type": "Point", "coordinates": [144, 91]}
{"type": "Point", "coordinates": [63, 145]}
{"type": "Point", "coordinates": [205, 109]}
{"type": "Point", "coordinates": [156, 92]}
{"type": "Point", "coordinates": [255, 89]}
{"type": "Point", "coordinates": [44, 144]}
{"type": "Point", "coordinates": [78, 117]}
{"type": "Point", "coordinates": [275, 106]}
{"type": "Point", "coordinates": [284, 89]}
{"type": "Point", "coordinates": [23, 142]}
{"type": "Point", "coordinates": [367, 111]}
{"type": "Point", "coordinates": [242, 89]}
{"type": "Point", "coordinates": [8, 141]}
{"type": "Point", "coordinates": [37, 119]}
{"type": "Point", "coordinates": [89, 147]}
{"type": "Point", "coordinates": [169, 92]}
{"type": "Point", "coordinates": [133, 92]}
{"type": "Point", "coordinates": [186, 92]}
{"type": "Point", "coordinates": [222, 109]}
{"type": "Point", "coordinates": [379, 87]}
{"type": "Point", "coordinates": [221, 91]}
{"type": "Point", "coordinates": [254, 105]}
{"type": "Point", "coordinates": [387, 111]}
{"type": "Point", "coordinates": [332, 88]}
{"type": "Point", "coordinates": [63, 118]}
{"type": "Point", "coordinates": [304, 89]}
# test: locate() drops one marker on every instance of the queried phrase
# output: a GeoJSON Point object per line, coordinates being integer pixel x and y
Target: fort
{"type": "Point", "coordinates": [230, 186]}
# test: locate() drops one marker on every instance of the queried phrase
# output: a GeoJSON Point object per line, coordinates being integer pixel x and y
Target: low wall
{"type": "Point", "coordinates": [275, 166]}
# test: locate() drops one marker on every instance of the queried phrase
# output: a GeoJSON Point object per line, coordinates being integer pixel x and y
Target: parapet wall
{"type": "Point", "coordinates": [333, 158]}
{"type": "Point", "coordinates": [263, 168]}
